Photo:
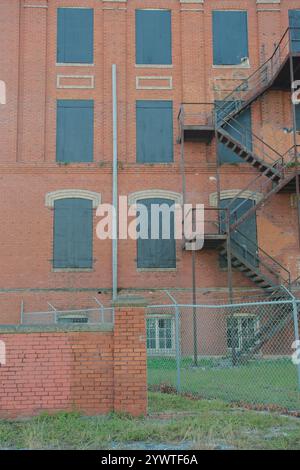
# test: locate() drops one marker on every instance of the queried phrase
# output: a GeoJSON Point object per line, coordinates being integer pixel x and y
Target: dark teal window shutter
{"type": "Point", "coordinates": [153, 37]}
{"type": "Point", "coordinates": [243, 245]}
{"type": "Point", "coordinates": [157, 253]}
{"type": "Point", "coordinates": [154, 131]}
{"type": "Point", "coordinates": [230, 37]}
{"type": "Point", "coordinates": [73, 233]}
{"type": "Point", "coordinates": [75, 35]}
{"type": "Point", "coordinates": [294, 20]}
{"type": "Point", "coordinates": [297, 108]}
{"type": "Point", "coordinates": [237, 129]}
{"type": "Point", "coordinates": [75, 131]}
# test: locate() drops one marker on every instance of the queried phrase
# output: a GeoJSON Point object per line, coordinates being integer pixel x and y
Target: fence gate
{"type": "Point", "coordinates": [243, 353]}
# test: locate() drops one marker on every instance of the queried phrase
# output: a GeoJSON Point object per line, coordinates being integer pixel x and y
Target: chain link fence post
{"type": "Point", "coordinates": [177, 348]}
{"type": "Point", "coordinates": [296, 332]}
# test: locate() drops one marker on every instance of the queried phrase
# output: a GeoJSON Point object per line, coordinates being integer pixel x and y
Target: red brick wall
{"type": "Point", "coordinates": [130, 357]}
{"type": "Point", "coordinates": [28, 134]}
{"type": "Point", "coordinates": [88, 371]}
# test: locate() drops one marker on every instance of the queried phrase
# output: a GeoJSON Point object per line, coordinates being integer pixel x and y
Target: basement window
{"type": "Point", "coordinates": [160, 335]}
{"type": "Point", "coordinates": [230, 38]}
{"type": "Point", "coordinates": [241, 331]}
{"type": "Point", "coordinates": [72, 319]}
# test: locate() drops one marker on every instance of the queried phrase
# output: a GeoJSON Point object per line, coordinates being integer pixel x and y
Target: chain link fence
{"type": "Point", "coordinates": [55, 307]}
{"type": "Point", "coordinates": [244, 353]}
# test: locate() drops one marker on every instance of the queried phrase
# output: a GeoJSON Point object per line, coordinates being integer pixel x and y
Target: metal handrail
{"type": "Point", "coordinates": [258, 250]}
{"type": "Point", "coordinates": [295, 281]}
{"type": "Point", "coordinates": [209, 114]}
{"type": "Point", "coordinates": [244, 254]}
{"type": "Point", "coordinates": [245, 133]}
{"type": "Point", "coordinates": [216, 222]}
{"type": "Point", "coordinates": [254, 193]}
{"type": "Point", "coordinates": [264, 74]}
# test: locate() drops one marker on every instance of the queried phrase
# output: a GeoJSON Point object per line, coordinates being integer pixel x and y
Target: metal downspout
{"type": "Point", "coordinates": [115, 185]}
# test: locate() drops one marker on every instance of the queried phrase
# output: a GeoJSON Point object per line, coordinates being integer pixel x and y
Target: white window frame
{"type": "Point", "coordinates": [240, 317]}
{"type": "Point", "coordinates": [157, 350]}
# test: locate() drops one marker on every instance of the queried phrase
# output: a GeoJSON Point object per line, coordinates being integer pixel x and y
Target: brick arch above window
{"type": "Point", "coordinates": [71, 194]}
{"type": "Point", "coordinates": [154, 193]}
{"type": "Point", "coordinates": [231, 193]}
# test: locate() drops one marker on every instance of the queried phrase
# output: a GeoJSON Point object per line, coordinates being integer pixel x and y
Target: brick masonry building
{"type": "Point", "coordinates": [56, 135]}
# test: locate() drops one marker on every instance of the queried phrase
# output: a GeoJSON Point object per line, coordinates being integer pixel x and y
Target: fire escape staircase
{"type": "Point", "coordinates": [276, 173]}
{"type": "Point", "coordinates": [271, 322]}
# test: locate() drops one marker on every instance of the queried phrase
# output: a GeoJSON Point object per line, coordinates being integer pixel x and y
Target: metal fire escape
{"type": "Point", "coordinates": [276, 172]}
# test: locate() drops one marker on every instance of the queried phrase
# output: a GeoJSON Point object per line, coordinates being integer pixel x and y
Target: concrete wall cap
{"type": "Point", "coordinates": [17, 329]}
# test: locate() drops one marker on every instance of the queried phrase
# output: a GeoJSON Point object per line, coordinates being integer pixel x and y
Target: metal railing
{"type": "Point", "coordinates": [201, 114]}
{"type": "Point", "coordinates": [238, 352]}
{"type": "Point", "coordinates": [217, 223]}
{"type": "Point", "coordinates": [254, 85]}
{"type": "Point", "coordinates": [211, 219]}
{"type": "Point", "coordinates": [252, 143]}
{"type": "Point", "coordinates": [90, 316]}
{"type": "Point", "coordinates": [259, 189]}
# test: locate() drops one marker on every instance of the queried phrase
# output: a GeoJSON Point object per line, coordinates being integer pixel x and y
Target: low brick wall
{"type": "Point", "coordinates": [91, 369]}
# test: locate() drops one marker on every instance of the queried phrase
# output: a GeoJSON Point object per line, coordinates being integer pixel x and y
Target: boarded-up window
{"type": "Point", "coordinates": [154, 131]}
{"type": "Point", "coordinates": [153, 37]}
{"type": "Point", "coordinates": [75, 35]}
{"type": "Point", "coordinates": [230, 37]}
{"type": "Point", "coordinates": [294, 20]}
{"type": "Point", "coordinates": [159, 252]}
{"type": "Point", "coordinates": [240, 128]}
{"type": "Point", "coordinates": [75, 131]}
{"type": "Point", "coordinates": [297, 108]}
{"type": "Point", "coordinates": [73, 233]}
{"type": "Point", "coordinates": [244, 239]}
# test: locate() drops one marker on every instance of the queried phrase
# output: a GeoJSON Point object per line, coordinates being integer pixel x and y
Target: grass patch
{"type": "Point", "coordinates": [209, 424]}
{"type": "Point", "coordinates": [269, 382]}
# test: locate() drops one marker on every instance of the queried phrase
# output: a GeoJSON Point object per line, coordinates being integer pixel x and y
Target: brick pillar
{"type": "Point", "coordinates": [130, 356]}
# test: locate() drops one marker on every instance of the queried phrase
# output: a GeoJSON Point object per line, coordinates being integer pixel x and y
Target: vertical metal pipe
{"type": "Point", "coordinates": [229, 279]}
{"type": "Point", "coordinates": [218, 176]}
{"type": "Point", "coordinates": [177, 348]}
{"type": "Point", "coordinates": [182, 160]}
{"type": "Point", "coordinates": [229, 261]}
{"type": "Point", "coordinates": [195, 328]}
{"type": "Point", "coordinates": [115, 185]}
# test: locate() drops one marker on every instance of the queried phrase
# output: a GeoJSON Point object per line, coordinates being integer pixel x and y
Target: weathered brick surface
{"type": "Point", "coordinates": [28, 135]}
{"type": "Point", "coordinates": [91, 372]}
{"type": "Point", "coordinates": [130, 374]}
{"type": "Point", "coordinates": [57, 371]}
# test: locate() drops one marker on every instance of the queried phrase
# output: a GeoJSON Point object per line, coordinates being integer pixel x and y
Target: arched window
{"type": "Point", "coordinates": [73, 227]}
{"type": "Point", "coordinates": [73, 234]}
{"type": "Point", "coordinates": [156, 246]}
{"type": "Point", "coordinates": [159, 249]}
